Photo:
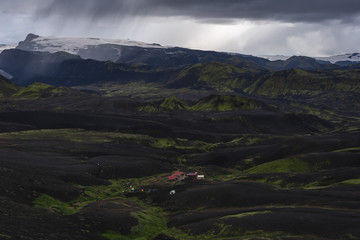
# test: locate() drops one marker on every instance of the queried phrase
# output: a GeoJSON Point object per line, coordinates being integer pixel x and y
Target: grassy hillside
{"type": "Point", "coordinates": [174, 104]}
{"type": "Point", "coordinates": [227, 103]}
{"type": "Point", "coordinates": [216, 103]}
{"type": "Point", "coordinates": [40, 90]}
{"type": "Point", "coordinates": [307, 83]}
{"type": "Point", "coordinates": [218, 76]}
{"type": "Point", "coordinates": [34, 91]}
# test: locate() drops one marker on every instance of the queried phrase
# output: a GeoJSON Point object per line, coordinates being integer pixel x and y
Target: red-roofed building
{"type": "Point", "coordinates": [176, 176]}
{"type": "Point", "coordinates": [192, 176]}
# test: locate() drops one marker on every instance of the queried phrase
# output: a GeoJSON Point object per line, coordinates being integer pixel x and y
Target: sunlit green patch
{"type": "Point", "coordinates": [55, 205]}
{"type": "Point", "coordinates": [296, 164]}
{"type": "Point", "coordinates": [353, 149]}
{"type": "Point", "coordinates": [151, 222]}
{"type": "Point", "coordinates": [351, 236]}
{"type": "Point", "coordinates": [350, 182]}
{"type": "Point", "coordinates": [219, 76]}
{"type": "Point", "coordinates": [174, 104]}
{"type": "Point", "coordinates": [5, 236]}
{"type": "Point", "coordinates": [37, 90]}
{"type": "Point", "coordinates": [115, 190]}
{"type": "Point", "coordinates": [249, 140]}
{"type": "Point", "coordinates": [226, 103]}
{"type": "Point", "coordinates": [281, 166]}
{"type": "Point", "coordinates": [246, 214]}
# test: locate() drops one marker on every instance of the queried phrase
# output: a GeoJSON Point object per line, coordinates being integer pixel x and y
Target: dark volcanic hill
{"type": "Point", "coordinates": [64, 69]}
{"type": "Point", "coordinates": [25, 65]}
{"type": "Point", "coordinates": [7, 88]}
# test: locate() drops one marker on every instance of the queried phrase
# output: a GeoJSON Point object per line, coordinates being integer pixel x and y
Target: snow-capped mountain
{"type": "Point", "coordinates": [2, 48]}
{"type": "Point", "coordinates": [94, 48]}
{"type": "Point", "coordinates": [5, 47]}
{"type": "Point", "coordinates": [275, 57]}
{"type": "Point", "coordinates": [129, 52]}
{"type": "Point", "coordinates": [351, 57]}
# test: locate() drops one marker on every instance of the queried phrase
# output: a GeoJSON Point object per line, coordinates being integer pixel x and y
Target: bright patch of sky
{"type": "Point", "coordinates": [269, 35]}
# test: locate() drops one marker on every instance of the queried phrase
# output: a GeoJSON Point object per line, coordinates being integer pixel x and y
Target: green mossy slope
{"type": "Point", "coordinates": [218, 76]}
{"type": "Point", "coordinates": [227, 103]}
{"type": "Point", "coordinates": [307, 83]}
{"type": "Point", "coordinates": [174, 104]}
{"type": "Point", "coordinates": [41, 90]}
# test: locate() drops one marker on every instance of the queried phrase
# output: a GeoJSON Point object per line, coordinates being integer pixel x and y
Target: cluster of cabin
{"type": "Point", "coordinates": [180, 176]}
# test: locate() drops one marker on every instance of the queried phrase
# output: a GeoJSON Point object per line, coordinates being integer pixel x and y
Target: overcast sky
{"type": "Point", "coordinates": [287, 27]}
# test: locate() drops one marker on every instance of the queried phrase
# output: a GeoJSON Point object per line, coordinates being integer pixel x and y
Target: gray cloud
{"type": "Point", "coordinates": [310, 27]}
{"type": "Point", "coordinates": [279, 10]}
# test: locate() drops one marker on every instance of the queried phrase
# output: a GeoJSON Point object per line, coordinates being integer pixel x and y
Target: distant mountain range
{"type": "Point", "coordinates": [80, 61]}
{"type": "Point", "coordinates": [128, 51]}
{"type": "Point", "coordinates": [342, 59]}
{"type": "Point", "coordinates": [7, 46]}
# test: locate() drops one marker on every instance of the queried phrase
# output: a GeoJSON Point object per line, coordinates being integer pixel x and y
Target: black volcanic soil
{"type": "Point", "coordinates": [110, 214]}
{"type": "Point", "coordinates": [21, 221]}
{"type": "Point", "coordinates": [295, 221]}
{"type": "Point", "coordinates": [249, 194]}
{"type": "Point", "coordinates": [230, 202]}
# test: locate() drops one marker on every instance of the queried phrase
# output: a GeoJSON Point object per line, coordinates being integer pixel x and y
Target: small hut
{"type": "Point", "coordinates": [192, 176]}
{"type": "Point", "coordinates": [176, 176]}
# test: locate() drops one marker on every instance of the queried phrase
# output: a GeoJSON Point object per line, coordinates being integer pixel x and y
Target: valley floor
{"type": "Point", "coordinates": [96, 167]}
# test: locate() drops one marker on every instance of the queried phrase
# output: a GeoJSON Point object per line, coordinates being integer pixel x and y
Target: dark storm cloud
{"type": "Point", "coordinates": [281, 10]}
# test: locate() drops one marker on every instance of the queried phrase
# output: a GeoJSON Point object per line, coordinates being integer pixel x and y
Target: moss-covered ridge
{"type": "Point", "coordinates": [214, 102]}
{"type": "Point", "coordinates": [228, 103]}
{"type": "Point", "coordinates": [218, 76]}
{"type": "Point", "coordinates": [170, 103]}
{"type": "Point", "coordinates": [8, 89]}
{"type": "Point", "coordinates": [307, 83]}
{"type": "Point", "coordinates": [174, 104]}
{"type": "Point", "coordinates": [41, 90]}
{"type": "Point", "coordinates": [225, 77]}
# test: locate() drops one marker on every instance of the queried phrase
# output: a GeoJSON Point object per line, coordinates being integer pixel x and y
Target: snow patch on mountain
{"type": "Point", "coordinates": [87, 48]}
{"type": "Point", "coordinates": [275, 57]}
{"type": "Point", "coordinates": [5, 47]}
{"type": "Point", "coordinates": [5, 74]}
{"type": "Point", "coordinates": [352, 57]}
{"type": "Point", "coordinates": [74, 44]}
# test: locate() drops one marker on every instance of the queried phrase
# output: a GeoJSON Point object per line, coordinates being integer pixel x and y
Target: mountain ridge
{"type": "Point", "coordinates": [334, 59]}
{"type": "Point", "coordinates": [132, 52]}
{"type": "Point", "coordinates": [118, 50]}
